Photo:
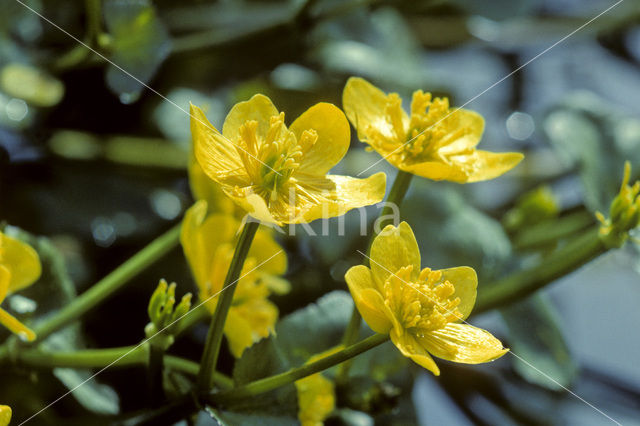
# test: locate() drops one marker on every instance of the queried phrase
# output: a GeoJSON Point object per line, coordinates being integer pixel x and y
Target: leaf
{"type": "Point", "coordinates": [453, 233]}
{"type": "Point", "coordinates": [95, 397]}
{"type": "Point", "coordinates": [140, 44]}
{"type": "Point", "coordinates": [590, 134]}
{"type": "Point", "coordinates": [536, 337]}
{"type": "Point", "coordinates": [227, 418]}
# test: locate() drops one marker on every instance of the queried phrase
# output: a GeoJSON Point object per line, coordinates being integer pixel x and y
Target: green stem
{"type": "Point", "coordinates": [113, 282]}
{"type": "Point", "coordinates": [549, 231]}
{"type": "Point", "coordinates": [125, 356]}
{"type": "Point", "coordinates": [394, 199]}
{"type": "Point", "coordinates": [216, 329]}
{"type": "Point", "coordinates": [155, 368]}
{"type": "Point", "coordinates": [521, 284]}
{"type": "Point", "coordinates": [273, 382]}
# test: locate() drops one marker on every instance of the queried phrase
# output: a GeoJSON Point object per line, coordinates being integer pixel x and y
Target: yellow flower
{"type": "Point", "coordinates": [208, 244]}
{"type": "Point", "coordinates": [19, 268]}
{"type": "Point", "coordinates": [5, 415]}
{"type": "Point", "coordinates": [206, 189]}
{"type": "Point", "coordinates": [316, 394]}
{"type": "Point", "coordinates": [279, 174]}
{"type": "Point", "coordinates": [422, 310]}
{"type": "Point", "coordinates": [435, 141]}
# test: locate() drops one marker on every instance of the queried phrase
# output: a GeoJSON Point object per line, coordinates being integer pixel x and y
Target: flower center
{"type": "Point", "coordinates": [424, 304]}
{"type": "Point", "coordinates": [271, 159]}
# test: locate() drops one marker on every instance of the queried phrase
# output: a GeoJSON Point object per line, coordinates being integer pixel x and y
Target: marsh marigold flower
{"type": "Point", "coordinates": [279, 174]}
{"type": "Point", "coordinates": [19, 268]}
{"type": "Point", "coordinates": [5, 415]}
{"type": "Point", "coordinates": [435, 141]}
{"type": "Point", "coordinates": [208, 243]}
{"type": "Point", "coordinates": [422, 310]}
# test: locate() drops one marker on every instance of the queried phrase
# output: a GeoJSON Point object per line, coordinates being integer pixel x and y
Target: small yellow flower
{"type": "Point", "coordinates": [208, 244]}
{"type": "Point", "coordinates": [316, 394]}
{"type": "Point", "coordinates": [422, 310]}
{"type": "Point", "coordinates": [19, 268]}
{"type": "Point", "coordinates": [279, 174]}
{"type": "Point", "coordinates": [436, 142]}
{"type": "Point", "coordinates": [5, 415]}
{"type": "Point", "coordinates": [624, 213]}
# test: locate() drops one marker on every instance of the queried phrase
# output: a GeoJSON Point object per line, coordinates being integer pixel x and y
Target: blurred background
{"type": "Point", "coordinates": [96, 163]}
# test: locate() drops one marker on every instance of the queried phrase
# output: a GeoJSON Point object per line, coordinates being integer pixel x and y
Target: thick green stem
{"type": "Point", "coordinates": [125, 356]}
{"type": "Point", "coordinates": [388, 214]}
{"type": "Point", "coordinates": [273, 382]}
{"type": "Point", "coordinates": [549, 231]}
{"type": "Point", "coordinates": [519, 285]}
{"type": "Point", "coordinates": [394, 199]}
{"type": "Point", "coordinates": [216, 329]}
{"type": "Point", "coordinates": [113, 282]}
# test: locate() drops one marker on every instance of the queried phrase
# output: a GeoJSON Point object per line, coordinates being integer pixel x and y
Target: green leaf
{"type": "Point", "coordinates": [140, 44]}
{"type": "Point", "coordinates": [536, 337]}
{"type": "Point", "coordinates": [227, 418]}
{"type": "Point", "coordinates": [453, 233]}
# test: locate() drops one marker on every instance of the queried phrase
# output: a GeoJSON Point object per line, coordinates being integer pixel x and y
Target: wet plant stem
{"type": "Point", "coordinates": [216, 329]}
{"type": "Point", "coordinates": [269, 383]}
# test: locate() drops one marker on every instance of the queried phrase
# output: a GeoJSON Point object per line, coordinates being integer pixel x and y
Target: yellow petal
{"type": "Point", "coordinates": [436, 170]}
{"type": "Point", "coordinates": [489, 165]}
{"type": "Point", "coordinates": [368, 300]}
{"type": "Point", "coordinates": [248, 322]}
{"type": "Point", "coordinates": [258, 108]}
{"type": "Point", "coordinates": [392, 249]}
{"type": "Point", "coordinates": [316, 399]}
{"type": "Point", "coordinates": [365, 106]}
{"type": "Point", "coordinates": [463, 343]}
{"type": "Point", "coordinates": [16, 326]}
{"type": "Point", "coordinates": [410, 348]}
{"type": "Point", "coordinates": [21, 260]}
{"type": "Point", "coordinates": [268, 253]}
{"type": "Point", "coordinates": [333, 141]}
{"type": "Point", "coordinates": [5, 415]}
{"type": "Point", "coordinates": [200, 237]}
{"type": "Point", "coordinates": [5, 279]}
{"type": "Point", "coordinates": [216, 154]}
{"type": "Point", "coordinates": [253, 204]}
{"type": "Point", "coordinates": [465, 282]}
{"type": "Point", "coordinates": [204, 188]}
{"type": "Point", "coordinates": [337, 195]}
{"type": "Point", "coordinates": [473, 125]}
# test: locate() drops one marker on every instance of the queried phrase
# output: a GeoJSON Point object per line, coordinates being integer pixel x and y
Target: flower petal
{"type": "Point", "coordinates": [253, 204]}
{"type": "Point", "coordinates": [200, 237]}
{"type": "Point", "coordinates": [335, 195]}
{"type": "Point", "coordinates": [5, 279]}
{"type": "Point", "coordinates": [316, 399]}
{"type": "Point", "coordinates": [5, 415]}
{"type": "Point", "coordinates": [216, 154]}
{"type": "Point", "coordinates": [368, 300]}
{"type": "Point", "coordinates": [465, 281]}
{"type": "Point", "coordinates": [473, 125]}
{"type": "Point", "coordinates": [365, 106]}
{"type": "Point", "coordinates": [204, 188]}
{"type": "Point", "coordinates": [16, 326]}
{"type": "Point", "coordinates": [21, 260]}
{"type": "Point", "coordinates": [258, 108]}
{"type": "Point", "coordinates": [268, 253]}
{"type": "Point", "coordinates": [249, 322]}
{"type": "Point", "coordinates": [463, 343]}
{"type": "Point", "coordinates": [392, 249]}
{"type": "Point", "coordinates": [436, 170]}
{"type": "Point", "coordinates": [488, 165]}
{"type": "Point", "coordinates": [334, 136]}
{"type": "Point", "coordinates": [409, 347]}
